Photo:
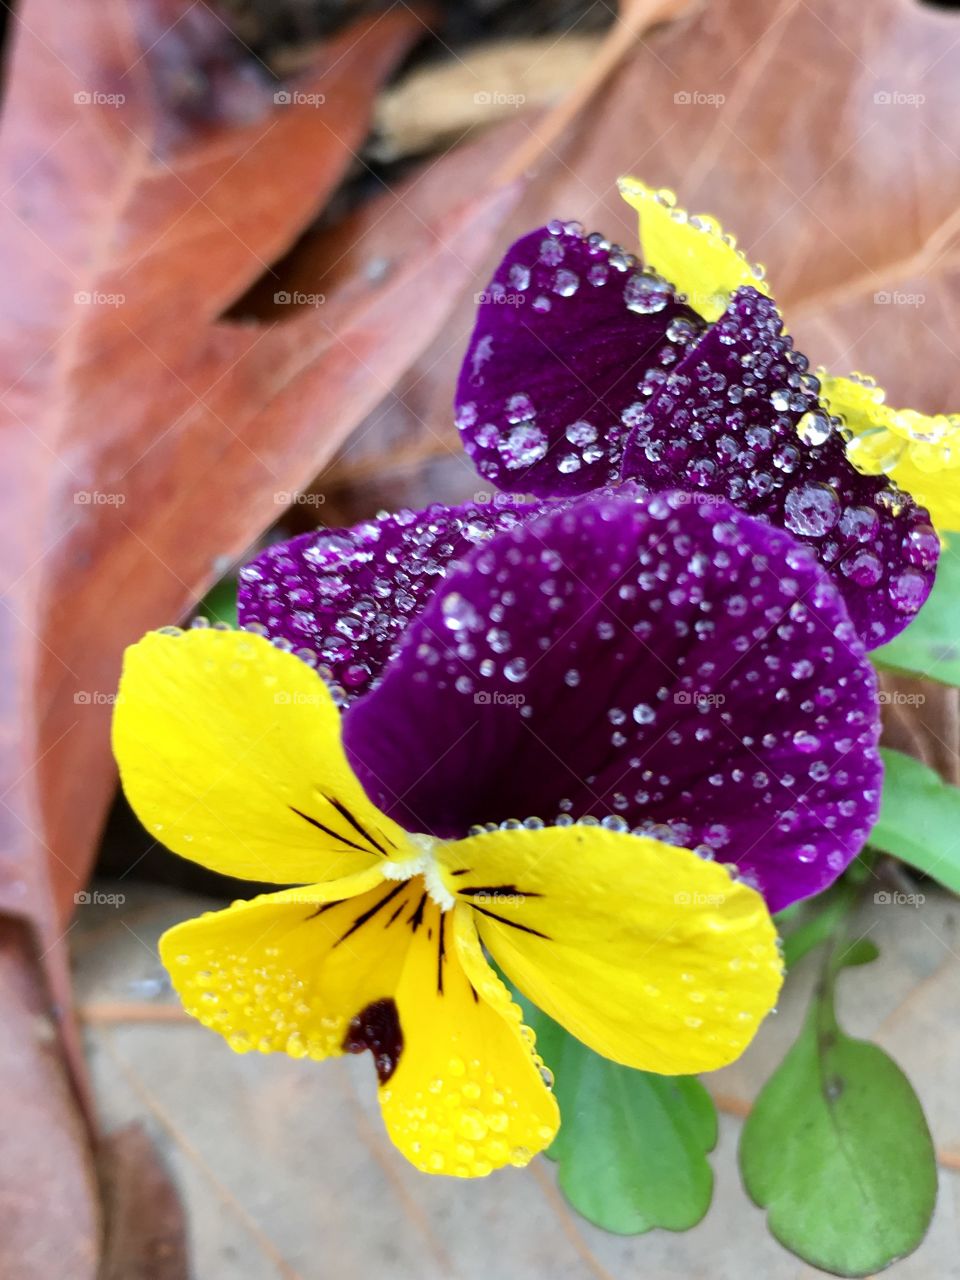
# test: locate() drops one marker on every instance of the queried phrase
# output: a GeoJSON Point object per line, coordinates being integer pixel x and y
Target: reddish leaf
{"type": "Point", "coordinates": [49, 1218]}
{"type": "Point", "coordinates": [145, 1236]}
{"type": "Point", "coordinates": [149, 440]}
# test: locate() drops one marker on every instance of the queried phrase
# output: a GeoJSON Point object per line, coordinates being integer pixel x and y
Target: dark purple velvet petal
{"type": "Point", "coordinates": [670, 665]}
{"type": "Point", "coordinates": [344, 598]}
{"type": "Point", "coordinates": [567, 331]}
{"type": "Point", "coordinates": [739, 417]}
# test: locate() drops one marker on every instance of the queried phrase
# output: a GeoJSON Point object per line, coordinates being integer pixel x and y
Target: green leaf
{"type": "Point", "coordinates": [930, 645]}
{"type": "Point", "coordinates": [632, 1146]}
{"type": "Point", "coordinates": [919, 818]}
{"type": "Point", "coordinates": [220, 602]}
{"type": "Point", "coordinates": [815, 923]}
{"type": "Point", "coordinates": [837, 1149]}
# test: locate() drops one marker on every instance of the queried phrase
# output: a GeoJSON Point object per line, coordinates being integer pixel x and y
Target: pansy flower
{"type": "Point", "coordinates": [587, 368]}
{"type": "Point", "coordinates": [589, 754]}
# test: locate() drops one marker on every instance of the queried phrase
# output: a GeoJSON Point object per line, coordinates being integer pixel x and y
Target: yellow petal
{"type": "Point", "coordinates": [919, 452]}
{"type": "Point", "coordinates": [645, 952]}
{"type": "Point", "coordinates": [229, 752]}
{"type": "Point", "coordinates": [286, 972]}
{"type": "Point", "coordinates": [692, 252]}
{"type": "Point", "coordinates": [364, 963]}
{"type": "Point", "coordinates": [468, 1095]}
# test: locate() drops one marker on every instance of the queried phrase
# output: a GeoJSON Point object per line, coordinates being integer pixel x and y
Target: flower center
{"type": "Point", "coordinates": [425, 864]}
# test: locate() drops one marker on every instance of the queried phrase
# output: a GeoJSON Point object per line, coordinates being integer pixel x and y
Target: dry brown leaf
{"type": "Point", "coordinates": [49, 1215]}
{"type": "Point", "coordinates": [147, 440]}
{"type": "Point", "coordinates": [150, 176]}
{"type": "Point", "coordinates": [145, 1236]}
{"type": "Point", "coordinates": [439, 103]}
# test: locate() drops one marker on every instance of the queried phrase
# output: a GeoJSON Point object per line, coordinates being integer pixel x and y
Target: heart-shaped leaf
{"type": "Point", "coordinates": [632, 1146]}
{"type": "Point", "coordinates": [837, 1149]}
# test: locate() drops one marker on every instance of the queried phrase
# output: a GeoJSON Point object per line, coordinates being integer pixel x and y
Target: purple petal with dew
{"type": "Point", "coordinates": [664, 664]}
{"type": "Point", "coordinates": [567, 331]}
{"type": "Point", "coordinates": [740, 418]}
{"type": "Point", "coordinates": [343, 598]}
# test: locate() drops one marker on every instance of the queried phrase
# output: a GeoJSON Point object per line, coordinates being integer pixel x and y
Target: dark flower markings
{"type": "Point", "coordinates": [342, 839]}
{"type": "Point", "coordinates": [371, 911]}
{"type": "Point", "coordinates": [377, 1028]}
{"type": "Point", "coordinates": [416, 919]}
{"type": "Point", "coordinates": [514, 924]}
{"type": "Point", "coordinates": [502, 893]}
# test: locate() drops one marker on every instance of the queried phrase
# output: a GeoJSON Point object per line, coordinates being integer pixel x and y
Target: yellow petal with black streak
{"type": "Point", "coordinates": [645, 952]}
{"type": "Point", "coordinates": [366, 963]}
{"type": "Point", "coordinates": [692, 252]}
{"type": "Point", "coordinates": [919, 452]}
{"type": "Point", "coordinates": [287, 972]}
{"type": "Point", "coordinates": [468, 1095]}
{"type": "Point", "coordinates": [229, 752]}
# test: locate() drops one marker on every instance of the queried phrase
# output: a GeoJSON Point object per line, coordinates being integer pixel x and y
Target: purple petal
{"type": "Point", "coordinates": [680, 666]}
{"type": "Point", "coordinates": [566, 333]}
{"type": "Point", "coordinates": [726, 423]}
{"type": "Point", "coordinates": [345, 597]}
